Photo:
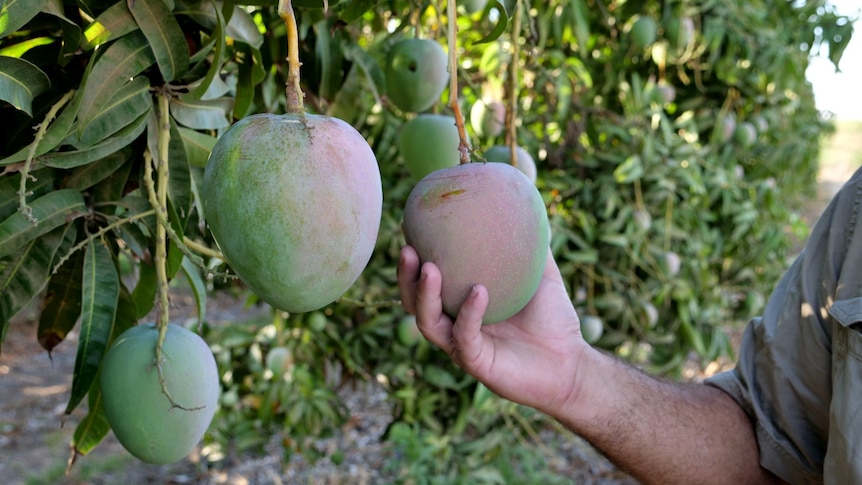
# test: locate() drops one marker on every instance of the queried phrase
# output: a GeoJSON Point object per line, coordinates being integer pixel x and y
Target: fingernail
{"type": "Point", "coordinates": [423, 275]}
{"type": "Point", "coordinates": [474, 292]}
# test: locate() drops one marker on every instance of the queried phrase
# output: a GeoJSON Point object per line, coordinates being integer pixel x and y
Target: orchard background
{"type": "Point", "coordinates": [673, 162]}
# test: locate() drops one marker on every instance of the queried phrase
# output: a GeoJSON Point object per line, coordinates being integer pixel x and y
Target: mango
{"type": "Point", "coordinates": [416, 74]}
{"type": "Point", "coordinates": [294, 204]}
{"type": "Point", "coordinates": [480, 223]}
{"type": "Point", "coordinates": [429, 142]}
{"type": "Point", "coordinates": [139, 413]}
{"type": "Point", "coordinates": [525, 162]}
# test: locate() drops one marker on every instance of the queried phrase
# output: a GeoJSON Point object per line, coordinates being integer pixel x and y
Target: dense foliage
{"type": "Point", "coordinates": [669, 137]}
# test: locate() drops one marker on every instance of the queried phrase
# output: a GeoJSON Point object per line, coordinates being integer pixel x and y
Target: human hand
{"type": "Point", "coordinates": [530, 358]}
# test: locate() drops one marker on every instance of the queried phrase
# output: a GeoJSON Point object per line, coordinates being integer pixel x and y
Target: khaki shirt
{"type": "Point", "coordinates": [799, 373]}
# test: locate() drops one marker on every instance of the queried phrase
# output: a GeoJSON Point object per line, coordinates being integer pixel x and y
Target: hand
{"type": "Point", "coordinates": [530, 358]}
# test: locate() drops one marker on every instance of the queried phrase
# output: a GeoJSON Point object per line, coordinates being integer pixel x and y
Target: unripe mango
{"type": "Point", "coordinates": [480, 223]}
{"type": "Point", "coordinates": [429, 142]}
{"type": "Point", "coordinates": [525, 162]}
{"type": "Point", "coordinates": [136, 408]}
{"type": "Point", "coordinates": [294, 203]}
{"type": "Point", "coordinates": [416, 74]}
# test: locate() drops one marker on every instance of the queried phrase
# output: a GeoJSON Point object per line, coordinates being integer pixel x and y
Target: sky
{"type": "Point", "coordinates": [840, 92]}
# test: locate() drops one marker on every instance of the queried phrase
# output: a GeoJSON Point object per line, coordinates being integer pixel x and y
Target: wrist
{"type": "Point", "coordinates": [588, 391]}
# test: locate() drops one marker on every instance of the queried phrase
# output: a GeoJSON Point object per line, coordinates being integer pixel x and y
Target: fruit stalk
{"type": "Point", "coordinates": [512, 87]}
{"type": "Point", "coordinates": [292, 89]}
{"type": "Point", "coordinates": [164, 140]}
{"type": "Point", "coordinates": [463, 144]}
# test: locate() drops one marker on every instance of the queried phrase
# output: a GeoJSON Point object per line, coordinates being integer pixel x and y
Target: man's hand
{"type": "Point", "coordinates": [530, 358]}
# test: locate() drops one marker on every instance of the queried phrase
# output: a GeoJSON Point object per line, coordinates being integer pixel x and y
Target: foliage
{"type": "Point", "coordinates": [666, 224]}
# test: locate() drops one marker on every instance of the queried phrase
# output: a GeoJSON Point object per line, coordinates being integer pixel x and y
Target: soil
{"type": "Point", "coordinates": [34, 388]}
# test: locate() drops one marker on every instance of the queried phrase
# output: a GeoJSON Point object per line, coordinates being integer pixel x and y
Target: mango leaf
{"type": "Point", "coordinates": [582, 24]}
{"type": "Point", "coordinates": [10, 184]}
{"type": "Point", "coordinates": [144, 294]}
{"type": "Point", "coordinates": [71, 31]}
{"type": "Point", "coordinates": [25, 274]}
{"type": "Point", "coordinates": [505, 9]}
{"type": "Point", "coordinates": [240, 26]}
{"type": "Point", "coordinates": [15, 13]}
{"type": "Point", "coordinates": [110, 190]}
{"type": "Point", "coordinates": [101, 290]}
{"type": "Point", "coordinates": [94, 427]}
{"type": "Point", "coordinates": [198, 146]}
{"type": "Point", "coordinates": [215, 63]}
{"type": "Point", "coordinates": [127, 105]}
{"type": "Point", "coordinates": [251, 73]}
{"type": "Point", "coordinates": [89, 175]}
{"type": "Point", "coordinates": [180, 180]}
{"type": "Point", "coordinates": [20, 82]}
{"type": "Point", "coordinates": [52, 210]}
{"type": "Point", "coordinates": [630, 170]}
{"type": "Point", "coordinates": [124, 59]}
{"type": "Point", "coordinates": [57, 131]}
{"type": "Point", "coordinates": [203, 114]}
{"type": "Point", "coordinates": [113, 23]}
{"type": "Point", "coordinates": [98, 151]}
{"type": "Point", "coordinates": [199, 289]}
{"type": "Point", "coordinates": [165, 36]}
{"type": "Point", "coordinates": [350, 11]}
{"type": "Point", "coordinates": [61, 306]}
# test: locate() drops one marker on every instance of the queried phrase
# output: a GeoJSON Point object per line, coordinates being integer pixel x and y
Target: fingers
{"type": "Point", "coordinates": [435, 325]}
{"type": "Point", "coordinates": [408, 275]}
{"type": "Point", "coordinates": [467, 332]}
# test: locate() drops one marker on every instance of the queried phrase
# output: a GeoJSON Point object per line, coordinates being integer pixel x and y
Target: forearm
{"type": "Point", "coordinates": [661, 432]}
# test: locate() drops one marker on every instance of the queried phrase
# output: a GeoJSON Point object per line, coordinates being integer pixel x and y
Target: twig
{"type": "Point", "coordinates": [464, 143]}
{"type": "Point", "coordinates": [31, 154]}
{"type": "Point", "coordinates": [101, 232]}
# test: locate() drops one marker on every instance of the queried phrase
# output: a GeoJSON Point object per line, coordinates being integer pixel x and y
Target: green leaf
{"type": "Point", "coordinates": [198, 146]}
{"type": "Point", "coordinates": [91, 174]}
{"type": "Point", "coordinates": [166, 38]}
{"type": "Point", "coordinates": [10, 184]}
{"type": "Point", "coordinates": [215, 63]}
{"type": "Point", "coordinates": [101, 291]}
{"type": "Point", "coordinates": [71, 31]}
{"type": "Point", "coordinates": [506, 9]}
{"type": "Point", "coordinates": [204, 114]}
{"type": "Point", "coordinates": [61, 307]}
{"type": "Point", "coordinates": [127, 105]}
{"type": "Point", "coordinates": [20, 82]}
{"type": "Point", "coordinates": [199, 289]}
{"type": "Point", "coordinates": [52, 210]}
{"type": "Point", "coordinates": [144, 294]}
{"type": "Point", "coordinates": [582, 25]}
{"type": "Point", "coordinates": [111, 24]}
{"type": "Point", "coordinates": [94, 427]}
{"type": "Point", "coordinates": [251, 73]}
{"type": "Point", "coordinates": [240, 27]}
{"type": "Point", "coordinates": [124, 59]}
{"type": "Point", "coordinates": [54, 135]}
{"type": "Point", "coordinates": [98, 151]}
{"type": "Point", "coordinates": [630, 170]}
{"type": "Point", "coordinates": [15, 13]}
{"type": "Point", "coordinates": [25, 274]}
{"type": "Point", "coordinates": [180, 180]}
{"type": "Point", "coordinates": [355, 9]}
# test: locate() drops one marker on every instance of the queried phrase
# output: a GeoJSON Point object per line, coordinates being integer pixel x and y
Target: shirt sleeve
{"type": "Point", "coordinates": [782, 378]}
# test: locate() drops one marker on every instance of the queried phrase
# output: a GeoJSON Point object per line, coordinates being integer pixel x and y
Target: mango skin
{"type": "Point", "coordinates": [429, 142]}
{"type": "Point", "coordinates": [295, 206]}
{"type": "Point", "coordinates": [501, 153]}
{"type": "Point", "coordinates": [139, 414]}
{"type": "Point", "coordinates": [480, 223]}
{"type": "Point", "coordinates": [416, 74]}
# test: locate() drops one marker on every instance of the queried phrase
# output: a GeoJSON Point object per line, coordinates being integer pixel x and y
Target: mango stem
{"type": "Point", "coordinates": [164, 139]}
{"type": "Point", "coordinates": [292, 89]}
{"type": "Point", "coordinates": [512, 88]}
{"type": "Point", "coordinates": [464, 143]}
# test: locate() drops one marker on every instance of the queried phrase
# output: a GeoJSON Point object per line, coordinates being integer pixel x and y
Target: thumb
{"type": "Point", "coordinates": [467, 331]}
